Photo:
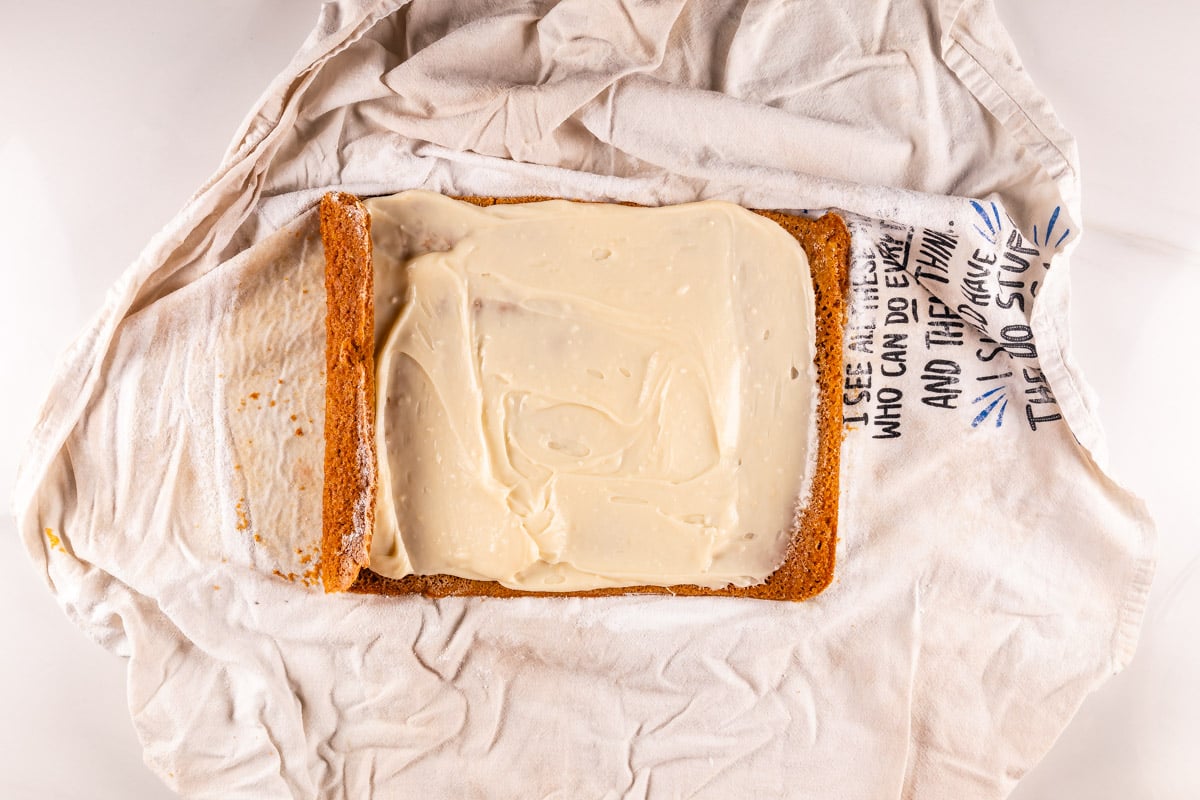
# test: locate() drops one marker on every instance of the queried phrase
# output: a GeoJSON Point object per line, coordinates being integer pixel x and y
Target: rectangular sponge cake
{"type": "Point", "coordinates": [352, 463]}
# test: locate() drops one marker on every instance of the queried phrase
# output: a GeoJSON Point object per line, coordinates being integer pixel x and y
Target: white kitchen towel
{"type": "Point", "coordinates": [990, 574]}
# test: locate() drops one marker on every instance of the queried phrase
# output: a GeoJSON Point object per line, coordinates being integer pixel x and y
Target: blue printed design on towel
{"type": "Point", "coordinates": [992, 226]}
{"type": "Point", "coordinates": [1045, 239]}
{"type": "Point", "coordinates": [992, 222]}
{"type": "Point", "coordinates": [1000, 400]}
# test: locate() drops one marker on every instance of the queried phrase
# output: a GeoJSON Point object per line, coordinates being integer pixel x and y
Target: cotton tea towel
{"type": "Point", "coordinates": [990, 573]}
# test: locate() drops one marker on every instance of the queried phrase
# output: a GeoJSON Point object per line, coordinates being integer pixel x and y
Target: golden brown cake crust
{"type": "Point", "coordinates": [348, 497]}
{"type": "Point", "coordinates": [808, 566]}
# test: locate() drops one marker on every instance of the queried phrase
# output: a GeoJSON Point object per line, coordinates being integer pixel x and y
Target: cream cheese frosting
{"type": "Point", "coordinates": [579, 396]}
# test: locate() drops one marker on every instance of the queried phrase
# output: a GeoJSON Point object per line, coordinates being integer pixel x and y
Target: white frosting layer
{"type": "Point", "coordinates": [576, 396]}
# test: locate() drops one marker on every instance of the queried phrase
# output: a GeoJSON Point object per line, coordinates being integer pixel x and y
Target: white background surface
{"type": "Point", "coordinates": [99, 146]}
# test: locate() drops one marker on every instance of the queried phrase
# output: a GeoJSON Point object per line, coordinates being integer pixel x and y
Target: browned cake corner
{"type": "Point", "coordinates": [348, 497]}
{"type": "Point", "coordinates": [808, 566]}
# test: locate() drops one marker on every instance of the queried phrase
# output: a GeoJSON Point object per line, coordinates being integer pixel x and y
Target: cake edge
{"type": "Point", "coordinates": [350, 463]}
